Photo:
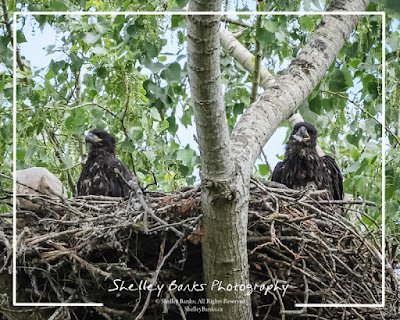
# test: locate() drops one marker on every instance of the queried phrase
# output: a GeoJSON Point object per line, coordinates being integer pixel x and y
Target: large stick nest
{"type": "Point", "coordinates": [74, 250]}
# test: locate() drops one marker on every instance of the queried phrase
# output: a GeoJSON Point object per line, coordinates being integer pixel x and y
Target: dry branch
{"type": "Point", "coordinates": [82, 249]}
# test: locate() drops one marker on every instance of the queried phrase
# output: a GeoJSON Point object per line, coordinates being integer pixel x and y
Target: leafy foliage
{"type": "Point", "coordinates": [128, 75]}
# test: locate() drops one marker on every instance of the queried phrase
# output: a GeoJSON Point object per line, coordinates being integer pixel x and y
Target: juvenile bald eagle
{"type": "Point", "coordinates": [103, 174]}
{"type": "Point", "coordinates": [302, 166]}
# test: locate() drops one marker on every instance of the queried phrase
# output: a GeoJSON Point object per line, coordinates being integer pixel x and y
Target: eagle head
{"type": "Point", "coordinates": [304, 133]}
{"type": "Point", "coordinates": [100, 139]}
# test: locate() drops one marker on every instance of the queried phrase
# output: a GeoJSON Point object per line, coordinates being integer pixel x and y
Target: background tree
{"type": "Point", "coordinates": [128, 74]}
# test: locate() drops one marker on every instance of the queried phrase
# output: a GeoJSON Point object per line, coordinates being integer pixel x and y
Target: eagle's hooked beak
{"type": "Point", "coordinates": [92, 138]}
{"type": "Point", "coordinates": [301, 134]}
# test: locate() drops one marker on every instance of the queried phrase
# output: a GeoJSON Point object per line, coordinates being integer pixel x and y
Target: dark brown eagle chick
{"type": "Point", "coordinates": [103, 174]}
{"type": "Point", "coordinates": [302, 166]}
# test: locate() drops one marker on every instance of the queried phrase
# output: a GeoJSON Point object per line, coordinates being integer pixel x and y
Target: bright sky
{"type": "Point", "coordinates": [33, 50]}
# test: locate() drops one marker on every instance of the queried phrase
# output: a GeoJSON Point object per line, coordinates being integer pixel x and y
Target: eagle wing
{"type": "Point", "coordinates": [118, 175]}
{"type": "Point", "coordinates": [105, 177]}
{"type": "Point", "coordinates": [278, 174]}
{"type": "Point", "coordinates": [91, 180]}
{"type": "Point", "coordinates": [336, 177]}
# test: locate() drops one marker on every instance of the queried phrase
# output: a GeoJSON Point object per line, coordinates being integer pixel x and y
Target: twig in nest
{"type": "Point", "coordinates": [154, 183]}
{"type": "Point", "coordinates": [304, 309]}
{"type": "Point", "coordinates": [282, 306]}
{"type": "Point", "coordinates": [273, 239]}
{"type": "Point", "coordinates": [135, 185]}
{"type": "Point", "coordinates": [156, 273]}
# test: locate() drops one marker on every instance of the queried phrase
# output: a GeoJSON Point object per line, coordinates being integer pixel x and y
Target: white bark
{"type": "Point", "coordinates": [206, 90]}
{"type": "Point", "coordinates": [243, 56]}
{"type": "Point", "coordinates": [280, 100]}
{"type": "Point", "coordinates": [398, 124]}
{"type": "Point", "coordinates": [227, 164]}
{"type": "Point", "coordinates": [224, 193]}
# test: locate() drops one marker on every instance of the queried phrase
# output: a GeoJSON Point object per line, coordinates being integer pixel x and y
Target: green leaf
{"type": "Point", "coordinates": [76, 61]}
{"type": "Point", "coordinates": [353, 139]}
{"type": "Point", "coordinates": [164, 125]}
{"type": "Point", "coordinates": [355, 154]}
{"type": "Point", "coordinates": [133, 31]}
{"type": "Point", "coordinates": [271, 26]}
{"type": "Point", "coordinates": [364, 163]}
{"type": "Point", "coordinates": [151, 50]}
{"type": "Point", "coordinates": [172, 126]}
{"type": "Point", "coordinates": [353, 168]}
{"type": "Point", "coordinates": [66, 160]}
{"type": "Point", "coordinates": [354, 63]}
{"type": "Point", "coordinates": [238, 109]}
{"type": "Point", "coordinates": [49, 75]}
{"type": "Point", "coordinates": [307, 23]}
{"type": "Point", "coordinates": [338, 81]}
{"type": "Point", "coordinates": [96, 113]}
{"type": "Point", "coordinates": [69, 123]}
{"type": "Point", "coordinates": [186, 155]}
{"type": "Point", "coordinates": [264, 36]}
{"type": "Point", "coordinates": [245, 98]}
{"type": "Point", "coordinates": [264, 169]}
{"type": "Point", "coordinates": [315, 105]}
{"type": "Point", "coordinates": [103, 25]}
{"type": "Point", "coordinates": [183, 170]}
{"type": "Point", "coordinates": [176, 21]}
{"type": "Point", "coordinates": [99, 50]}
{"type": "Point", "coordinates": [56, 66]}
{"type": "Point", "coordinates": [347, 76]}
{"type": "Point", "coordinates": [127, 145]}
{"type": "Point", "coordinates": [150, 154]}
{"type": "Point", "coordinates": [21, 154]}
{"type": "Point", "coordinates": [187, 117]}
{"type": "Point", "coordinates": [181, 3]}
{"type": "Point", "coordinates": [155, 114]}
{"type": "Point", "coordinates": [90, 37]}
{"type": "Point", "coordinates": [58, 5]}
{"type": "Point", "coordinates": [30, 151]}
{"type": "Point", "coordinates": [20, 37]}
{"type": "Point", "coordinates": [175, 70]}
{"type": "Point", "coordinates": [102, 72]}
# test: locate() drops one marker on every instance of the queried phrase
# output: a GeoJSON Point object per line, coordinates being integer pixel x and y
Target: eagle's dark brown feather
{"type": "Point", "coordinates": [101, 174]}
{"type": "Point", "coordinates": [302, 166]}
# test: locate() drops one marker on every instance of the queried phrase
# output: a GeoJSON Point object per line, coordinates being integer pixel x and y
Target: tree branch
{"type": "Point", "coordinates": [79, 106]}
{"type": "Point", "coordinates": [261, 120]}
{"type": "Point", "coordinates": [364, 111]}
{"type": "Point", "coordinates": [257, 61]}
{"type": "Point", "coordinates": [243, 56]}
{"type": "Point", "coordinates": [58, 152]}
{"type": "Point", "coordinates": [10, 34]}
{"type": "Point", "coordinates": [238, 23]}
{"type": "Point", "coordinates": [208, 104]}
{"type": "Point", "coordinates": [156, 273]}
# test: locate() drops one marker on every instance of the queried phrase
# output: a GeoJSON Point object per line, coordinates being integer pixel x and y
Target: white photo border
{"type": "Point", "coordinates": [186, 13]}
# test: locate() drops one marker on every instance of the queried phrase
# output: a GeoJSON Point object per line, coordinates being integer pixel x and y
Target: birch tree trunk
{"type": "Point", "coordinates": [224, 193]}
{"type": "Point", "coordinates": [227, 162]}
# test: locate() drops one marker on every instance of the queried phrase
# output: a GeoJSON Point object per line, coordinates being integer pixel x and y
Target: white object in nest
{"type": "Point", "coordinates": [38, 181]}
